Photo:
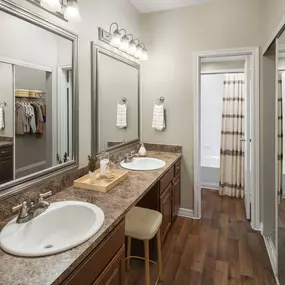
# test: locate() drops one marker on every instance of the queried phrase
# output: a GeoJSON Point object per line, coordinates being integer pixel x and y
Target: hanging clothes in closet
{"type": "Point", "coordinates": [30, 118]}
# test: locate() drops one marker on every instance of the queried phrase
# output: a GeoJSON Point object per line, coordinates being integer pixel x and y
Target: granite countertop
{"type": "Point", "coordinates": [115, 204]}
{"type": "Point", "coordinates": [5, 143]}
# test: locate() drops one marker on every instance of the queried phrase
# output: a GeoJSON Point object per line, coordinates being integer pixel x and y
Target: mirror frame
{"type": "Point", "coordinates": [30, 17]}
{"type": "Point", "coordinates": [95, 52]}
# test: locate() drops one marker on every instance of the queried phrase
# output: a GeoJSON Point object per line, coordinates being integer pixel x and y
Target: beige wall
{"type": "Point", "coordinates": [272, 13]}
{"type": "Point", "coordinates": [171, 38]}
{"type": "Point", "coordinates": [94, 14]}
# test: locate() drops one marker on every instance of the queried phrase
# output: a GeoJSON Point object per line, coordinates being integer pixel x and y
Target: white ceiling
{"type": "Point", "coordinates": [148, 6]}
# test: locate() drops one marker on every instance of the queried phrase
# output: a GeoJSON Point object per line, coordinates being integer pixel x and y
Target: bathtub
{"type": "Point", "coordinates": [210, 172]}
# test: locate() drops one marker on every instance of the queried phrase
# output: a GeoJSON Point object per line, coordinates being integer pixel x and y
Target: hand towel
{"type": "Point", "coordinates": [2, 119]}
{"type": "Point", "coordinates": [158, 121]}
{"type": "Point", "coordinates": [121, 116]}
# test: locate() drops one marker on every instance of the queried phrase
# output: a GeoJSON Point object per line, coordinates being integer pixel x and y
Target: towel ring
{"type": "Point", "coordinates": [124, 100]}
{"type": "Point", "coordinates": [160, 100]}
{"type": "Point", "coordinates": [3, 103]}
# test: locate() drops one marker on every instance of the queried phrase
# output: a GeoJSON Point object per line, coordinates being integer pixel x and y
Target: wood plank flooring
{"type": "Point", "coordinates": [219, 249]}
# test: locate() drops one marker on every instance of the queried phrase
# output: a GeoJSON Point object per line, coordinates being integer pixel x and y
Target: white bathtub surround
{"type": "Point", "coordinates": [210, 177]}
{"type": "Point", "coordinates": [233, 128]}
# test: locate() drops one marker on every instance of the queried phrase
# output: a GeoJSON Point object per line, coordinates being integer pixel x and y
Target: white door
{"type": "Point", "coordinates": [248, 175]}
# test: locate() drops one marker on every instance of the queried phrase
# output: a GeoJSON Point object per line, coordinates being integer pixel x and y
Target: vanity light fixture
{"type": "Point", "coordinates": [71, 12]}
{"type": "Point", "coordinates": [116, 36]}
{"type": "Point", "coordinates": [132, 47]}
{"type": "Point", "coordinates": [138, 53]}
{"type": "Point", "coordinates": [125, 42]}
{"type": "Point", "coordinates": [144, 55]}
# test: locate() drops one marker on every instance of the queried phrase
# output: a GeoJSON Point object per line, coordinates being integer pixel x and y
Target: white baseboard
{"type": "Point", "coordinates": [187, 213]}
{"type": "Point", "coordinates": [271, 253]}
{"type": "Point", "coordinates": [211, 186]}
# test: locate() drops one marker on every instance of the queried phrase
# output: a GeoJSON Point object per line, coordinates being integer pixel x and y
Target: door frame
{"type": "Point", "coordinates": [215, 55]}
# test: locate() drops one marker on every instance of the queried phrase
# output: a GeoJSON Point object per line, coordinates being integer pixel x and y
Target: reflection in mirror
{"type": "Point", "coordinates": [36, 99]}
{"type": "Point", "coordinates": [118, 101]}
{"type": "Point", "coordinates": [281, 161]}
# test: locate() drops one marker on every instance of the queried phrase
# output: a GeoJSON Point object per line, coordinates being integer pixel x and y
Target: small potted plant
{"type": "Point", "coordinates": [92, 168]}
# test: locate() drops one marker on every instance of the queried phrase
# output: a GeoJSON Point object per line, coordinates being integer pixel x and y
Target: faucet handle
{"type": "Point", "coordinates": [23, 209]}
{"type": "Point", "coordinates": [44, 195]}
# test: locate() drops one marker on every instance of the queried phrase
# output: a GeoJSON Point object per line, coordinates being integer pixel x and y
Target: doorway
{"type": "Point", "coordinates": [234, 67]}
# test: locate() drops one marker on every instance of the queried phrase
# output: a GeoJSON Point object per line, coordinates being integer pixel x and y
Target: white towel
{"type": "Point", "coordinates": [121, 116]}
{"type": "Point", "coordinates": [158, 121]}
{"type": "Point", "coordinates": [2, 119]}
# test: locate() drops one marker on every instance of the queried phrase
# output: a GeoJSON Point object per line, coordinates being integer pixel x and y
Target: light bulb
{"type": "Point", "coordinates": [138, 52]}
{"type": "Point", "coordinates": [52, 5]}
{"type": "Point", "coordinates": [144, 55]}
{"type": "Point", "coordinates": [124, 46]}
{"type": "Point", "coordinates": [71, 12]}
{"type": "Point", "coordinates": [132, 47]}
{"type": "Point", "coordinates": [116, 39]}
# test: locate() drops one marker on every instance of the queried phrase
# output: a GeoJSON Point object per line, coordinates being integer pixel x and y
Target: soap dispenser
{"type": "Point", "coordinates": [142, 150]}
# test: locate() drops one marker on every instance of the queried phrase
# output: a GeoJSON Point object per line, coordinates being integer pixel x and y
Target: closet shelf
{"type": "Point", "coordinates": [33, 94]}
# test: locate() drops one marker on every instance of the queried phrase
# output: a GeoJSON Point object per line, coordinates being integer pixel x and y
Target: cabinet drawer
{"type": "Point", "coordinates": [177, 167]}
{"type": "Point", "coordinates": [6, 151]}
{"type": "Point", "coordinates": [89, 270]}
{"type": "Point", "coordinates": [166, 180]}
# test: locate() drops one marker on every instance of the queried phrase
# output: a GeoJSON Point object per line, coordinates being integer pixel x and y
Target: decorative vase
{"type": "Point", "coordinates": [142, 150]}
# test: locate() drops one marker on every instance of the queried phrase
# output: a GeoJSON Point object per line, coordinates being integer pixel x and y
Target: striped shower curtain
{"type": "Point", "coordinates": [280, 137]}
{"type": "Point", "coordinates": [232, 148]}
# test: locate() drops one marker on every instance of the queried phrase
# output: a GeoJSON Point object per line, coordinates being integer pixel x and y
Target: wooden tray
{"type": "Point", "coordinates": [102, 185]}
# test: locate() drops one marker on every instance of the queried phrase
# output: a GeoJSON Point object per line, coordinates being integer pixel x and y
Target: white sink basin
{"type": "Point", "coordinates": [144, 163]}
{"type": "Point", "coordinates": [62, 226]}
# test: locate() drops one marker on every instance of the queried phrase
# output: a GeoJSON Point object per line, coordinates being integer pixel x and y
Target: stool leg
{"type": "Point", "coordinates": [129, 246]}
{"type": "Point", "coordinates": [158, 237]}
{"type": "Point", "coordinates": [146, 256]}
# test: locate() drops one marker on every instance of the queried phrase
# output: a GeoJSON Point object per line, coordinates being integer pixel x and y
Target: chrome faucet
{"type": "Point", "coordinates": [31, 210]}
{"type": "Point", "coordinates": [129, 157]}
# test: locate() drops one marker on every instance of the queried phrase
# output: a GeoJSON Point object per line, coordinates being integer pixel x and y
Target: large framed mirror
{"type": "Point", "coordinates": [115, 100]}
{"type": "Point", "coordinates": [38, 98]}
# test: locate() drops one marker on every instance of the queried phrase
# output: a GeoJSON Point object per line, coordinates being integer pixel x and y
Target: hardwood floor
{"type": "Point", "coordinates": [219, 249]}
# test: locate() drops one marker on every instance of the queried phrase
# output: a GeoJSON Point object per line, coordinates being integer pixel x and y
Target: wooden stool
{"type": "Point", "coordinates": [143, 224]}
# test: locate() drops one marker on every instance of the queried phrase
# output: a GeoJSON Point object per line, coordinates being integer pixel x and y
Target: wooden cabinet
{"type": "Point", "coordinates": [105, 264]}
{"type": "Point", "coordinates": [166, 210]}
{"type": "Point", "coordinates": [170, 198]}
{"type": "Point", "coordinates": [175, 196]}
{"type": "Point", "coordinates": [6, 164]}
{"type": "Point", "coordinates": [114, 274]}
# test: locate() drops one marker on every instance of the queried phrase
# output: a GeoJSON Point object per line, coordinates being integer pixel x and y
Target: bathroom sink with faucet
{"type": "Point", "coordinates": [43, 229]}
{"type": "Point", "coordinates": [133, 162]}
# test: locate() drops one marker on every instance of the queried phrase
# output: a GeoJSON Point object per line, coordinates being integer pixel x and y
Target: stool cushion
{"type": "Point", "coordinates": [142, 223]}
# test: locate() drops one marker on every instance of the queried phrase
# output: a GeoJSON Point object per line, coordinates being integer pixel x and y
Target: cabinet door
{"type": "Point", "coordinates": [166, 211]}
{"type": "Point", "coordinates": [114, 274]}
{"type": "Point", "coordinates": [6, 169]}
{"type": "Point", "coordinates": [175, 196]}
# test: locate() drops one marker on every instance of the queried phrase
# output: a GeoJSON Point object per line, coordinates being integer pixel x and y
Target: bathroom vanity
{"type": "Point", "coordinates": [106, 264]}
{"type": "Point", "coordinates": [101, 259]}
